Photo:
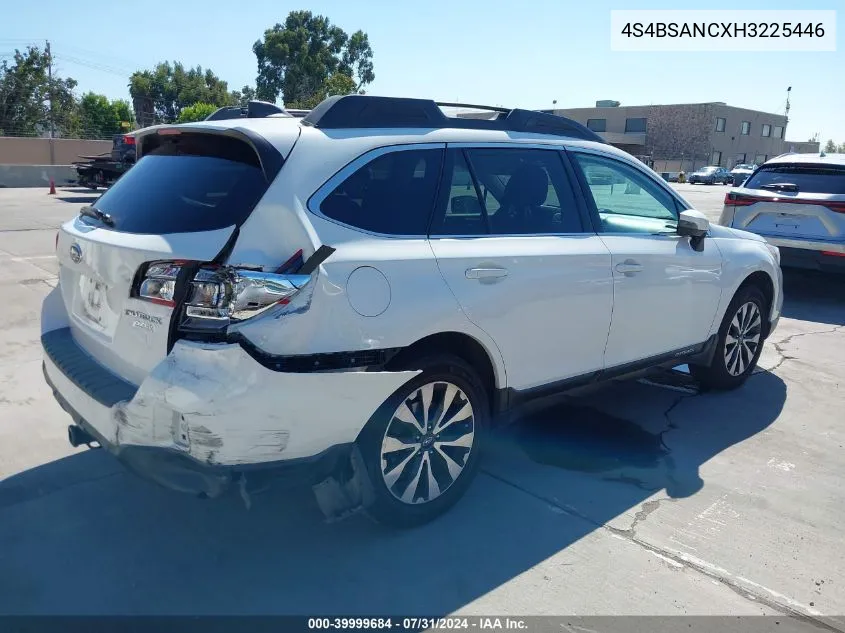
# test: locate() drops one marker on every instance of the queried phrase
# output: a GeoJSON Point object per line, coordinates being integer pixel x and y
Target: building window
{"type": "Point", "coordinates": [635, 126]}
{"type": "Point", "coordinates": [740, 159]}
{"type": "Point", "coordinates": [760, 159]}
{"type": "Point", "coordinates": [767, 129]}
{"type": "Point", "coordinates": [720, 124]}
{"type": "Point", "coordinates": [597, 125]}
{"type": "Point", "coordinates": [778, 131]}
{"type": "Point", "coordinates": [745, 130]}
{"type": "Point", "coordinates": [716, 159]}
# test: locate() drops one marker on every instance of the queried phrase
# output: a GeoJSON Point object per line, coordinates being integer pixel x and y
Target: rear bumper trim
{"type": "Point", "coordinates": [86, 373]}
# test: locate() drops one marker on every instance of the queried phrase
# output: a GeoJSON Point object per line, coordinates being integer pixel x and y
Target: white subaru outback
{"type": "Point", "coordinates": [351, 299]}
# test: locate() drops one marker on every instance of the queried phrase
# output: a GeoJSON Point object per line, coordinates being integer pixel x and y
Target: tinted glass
{"type": "Point", "coordinates": [525, 191]}
{"type": "Point", "coordinates": [597, 125]}
{"type": "Point", "coordinates": [464, 214]}
{"type": "Point", "coordinates": [808, 178]}
{"type": "Point", "coordinates": [392, 194]}
{"type": "Point", "coordinates": [626, 199]}
{"type": "Point", "coordinates": [635, 125]}
{"type": "Point", "coordinates": [199, 184]}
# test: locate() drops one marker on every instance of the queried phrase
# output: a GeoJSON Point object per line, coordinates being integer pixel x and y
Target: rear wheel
{"type": "Point", "coordinates": [421, 447]}
{"type": "Point", "coordinates": [740, 341]}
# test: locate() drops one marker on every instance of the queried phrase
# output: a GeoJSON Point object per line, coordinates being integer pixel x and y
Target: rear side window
{"type": "Point", "coordinates": [508, 191]}
{"type": "Point", "coordinates": [807, 178]}
{"type": "Point", "coordinates": [393, 194]}
{"type": "Point", "coordinates": [189, 183]}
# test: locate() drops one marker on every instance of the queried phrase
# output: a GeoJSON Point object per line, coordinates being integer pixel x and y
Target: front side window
{"type": "Point", "coordinates": [635, 125]}
{"type": "Point", "coordinates": [503, 191]}
{"type": "Point", "coordinates": [745, 130]}
{"type": "Point", "coordinates": [627, 200]}
{"type": "Point", "coordinates": [767, 129]}
{"type": "Point", "coordinates": [597, 125]}
{"type": "Point", "coordinates": [720, 124]}
{"type": "Point", "coordinates": [393, 194]}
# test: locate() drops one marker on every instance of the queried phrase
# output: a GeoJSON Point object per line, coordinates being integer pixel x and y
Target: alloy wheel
{"type": "Point", "coordinates": [427, 442]}
{"type": "Point", "coordinates": [743, 338]}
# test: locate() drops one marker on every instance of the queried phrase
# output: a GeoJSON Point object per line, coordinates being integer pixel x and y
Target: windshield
{"type": "Point", "coordinates": [806, 178]}
{"type": "Point", "coordinates": [709, 170]}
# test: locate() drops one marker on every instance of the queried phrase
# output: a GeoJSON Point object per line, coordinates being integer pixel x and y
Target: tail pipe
{"type": "Point", "coordinates": [77, 436]}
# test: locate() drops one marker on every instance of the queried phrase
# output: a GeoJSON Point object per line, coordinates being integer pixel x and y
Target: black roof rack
{"type": "Point", "coordinates": [364, 111]}
{"type": "Point", "coordinates": [253, 110]}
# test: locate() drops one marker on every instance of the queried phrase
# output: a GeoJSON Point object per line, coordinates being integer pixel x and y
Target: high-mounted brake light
{"type": "Point", "coordinates": [169, 131]}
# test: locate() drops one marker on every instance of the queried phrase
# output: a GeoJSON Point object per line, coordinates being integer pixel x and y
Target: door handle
{"type": "Point", "coordinates": [486, 273]}
{"type": "Point", "coordinates": [629, 267]}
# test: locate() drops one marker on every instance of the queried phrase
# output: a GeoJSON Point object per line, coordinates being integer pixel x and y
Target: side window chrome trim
{"type": "Point", "coordinates": [639, 167]}
{"type": "Point", "coordinates": [323, 191]}
{"type": "Point", "coordinates": [532, 144]}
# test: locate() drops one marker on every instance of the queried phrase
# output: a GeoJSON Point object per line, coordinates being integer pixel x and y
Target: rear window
{"type": "Point", "coordinates": [808, 178]}
{"type": "Point", "coordinates": [189, 183]}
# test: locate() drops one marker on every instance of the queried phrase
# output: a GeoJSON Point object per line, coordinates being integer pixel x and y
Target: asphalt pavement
{"type": "Point", "coordinates": [637, 498]}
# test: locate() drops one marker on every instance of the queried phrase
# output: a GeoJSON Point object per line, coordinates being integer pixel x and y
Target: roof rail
{"type": "Point", "coordinates": [365, 112]}
{"type": "Point", "coordinates": [253, 110]}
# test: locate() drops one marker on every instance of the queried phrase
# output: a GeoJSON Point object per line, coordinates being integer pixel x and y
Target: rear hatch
{"type": "Point", "coordinates": [792, 201]}
{"type": "Point", "coordinates": [183, 201]}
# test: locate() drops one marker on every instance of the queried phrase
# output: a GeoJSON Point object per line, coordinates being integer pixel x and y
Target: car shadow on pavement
{"type": "Point", "coordinates": [82, 536]}
{"type": "Point", "coordinates": [814, 296]}
{"type": "Point", "coordinates": [87, 198]}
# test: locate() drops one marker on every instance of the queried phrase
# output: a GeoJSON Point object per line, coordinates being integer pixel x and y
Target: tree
{"type": "Point", "coordinates": [337, 84]}
{"type": "Point", "coordinates": [101, 118]}
{"type": "Point", "coordinates": [841, 149]}
{"type": "Point", "coordinates": [195, 112]}
{"type": "Point", "coordinates": [243, 96]}
{"type": "Point", "coordinates": [25, 94]}
{"type": "Point", "coordinates": [160, 94]}
{"type": "Point", "coordinates": [830, 147]}
{"type": "Point", "coordinates": [296, 59]}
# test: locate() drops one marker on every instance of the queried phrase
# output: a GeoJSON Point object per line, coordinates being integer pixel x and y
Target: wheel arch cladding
{"type": "Point", "coordinates": [457, 344]}
{"type": "Point", "coordinates": [761, 280]}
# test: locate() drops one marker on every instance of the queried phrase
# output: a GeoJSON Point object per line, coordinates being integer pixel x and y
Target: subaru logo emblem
{"type": "Point", "coordinates": [75, 253]}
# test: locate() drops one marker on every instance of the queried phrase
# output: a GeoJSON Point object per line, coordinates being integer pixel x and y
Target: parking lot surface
{"type": "Point", "coordinates": [642, 497]}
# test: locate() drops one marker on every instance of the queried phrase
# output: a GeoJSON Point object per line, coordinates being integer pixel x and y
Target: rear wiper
{"type": "Point", "coordinates": [780, 186]}
{"type": "Point", "coordinates": [102, 216]}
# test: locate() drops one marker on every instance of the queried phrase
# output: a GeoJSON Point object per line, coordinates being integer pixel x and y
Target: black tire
{"type": "Point", "coordinates": [716, 375]}
{"type": "Point", "coordinates": [386, 508]}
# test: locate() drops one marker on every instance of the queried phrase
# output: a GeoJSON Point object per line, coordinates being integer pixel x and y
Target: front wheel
{"type": "Point", "coordinates": [739, 343]}
{"type": "Point", "coordinates": [421, 447]}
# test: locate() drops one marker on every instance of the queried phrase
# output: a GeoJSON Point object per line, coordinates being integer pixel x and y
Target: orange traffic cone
{"type": "Point", "coordinates": [52, 187]}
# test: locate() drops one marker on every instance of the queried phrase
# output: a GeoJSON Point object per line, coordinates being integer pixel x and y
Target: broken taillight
{"type": "Point", "coordinates": [213, 297]}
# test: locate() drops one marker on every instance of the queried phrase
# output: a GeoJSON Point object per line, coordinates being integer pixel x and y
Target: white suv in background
{"type": "Point", "coordinates": [354, 298]}
{"type": "Point", "coordinates": [797, 202]}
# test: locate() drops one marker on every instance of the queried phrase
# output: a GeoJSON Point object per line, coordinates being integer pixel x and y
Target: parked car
{"type": "Point", "coordinates": [797, 202]}
{"type": "Point", "coordinates": [355, 298]}
{"type": "Point", "coordinates": [711, 175]}
{"type": "Point", "coordinates": [741, 172]}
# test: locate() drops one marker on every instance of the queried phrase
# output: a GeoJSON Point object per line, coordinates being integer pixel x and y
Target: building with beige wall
{"type": "Point", "coordinates": [686, 136]}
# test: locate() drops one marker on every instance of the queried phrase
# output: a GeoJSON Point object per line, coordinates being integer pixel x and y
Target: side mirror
{"type": "Point", "coordinates": [693, 224]}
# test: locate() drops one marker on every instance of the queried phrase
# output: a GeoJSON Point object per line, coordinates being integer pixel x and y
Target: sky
{"type": "Point", "coordinates": [526, 53]}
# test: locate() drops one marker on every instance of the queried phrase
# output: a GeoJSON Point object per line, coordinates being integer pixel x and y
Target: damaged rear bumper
{"type": "Point", "coordinates": [209, 415]}
{"type": "Point", "coordinates": [175, 470]}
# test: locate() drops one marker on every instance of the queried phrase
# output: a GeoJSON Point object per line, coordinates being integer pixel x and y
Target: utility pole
{"type": "Point", "coordinates": [50, 96]}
